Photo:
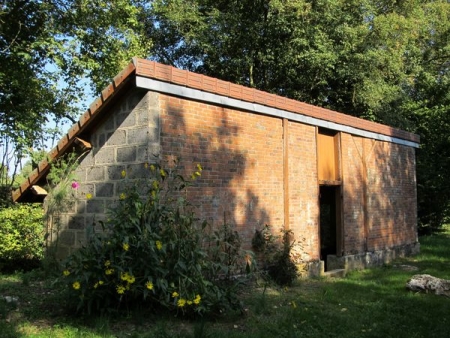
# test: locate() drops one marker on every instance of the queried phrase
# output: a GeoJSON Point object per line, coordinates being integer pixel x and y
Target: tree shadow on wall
{"type": "Point", "coordinates": [229, 189]}
{"type": "Point", "coordinates": [379, 197]}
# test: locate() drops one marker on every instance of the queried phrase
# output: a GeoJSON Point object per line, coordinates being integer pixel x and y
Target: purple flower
{"type": "Point", "coordinates": [75, 185]}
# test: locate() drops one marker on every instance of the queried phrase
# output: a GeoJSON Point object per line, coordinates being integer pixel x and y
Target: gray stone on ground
{"type": "Point", "coordinates": [428, 283]}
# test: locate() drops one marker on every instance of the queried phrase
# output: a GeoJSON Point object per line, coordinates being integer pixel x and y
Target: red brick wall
{"type": "Point", "coordinates": [242, 158]}
{"type": "Point", "coordinates": [304, 189]}
{"type": "Point", "coordinates": [390, 196]}
{"type": "Point", "coordinates": [242, 180]}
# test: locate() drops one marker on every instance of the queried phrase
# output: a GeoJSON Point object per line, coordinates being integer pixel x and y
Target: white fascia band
{"type": "Point", "coordinates": [198, 95]}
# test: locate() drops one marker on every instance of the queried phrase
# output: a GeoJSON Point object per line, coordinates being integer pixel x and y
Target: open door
{"type": "Point", "coordinates": [330, 183]}
{"type": "Point", "coordinates": [330, 222]}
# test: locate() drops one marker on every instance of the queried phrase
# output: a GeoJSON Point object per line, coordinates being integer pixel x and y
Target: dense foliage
{"type": "Point", "coordinates": [156, 252]}
{"type": "Point", "coordinates": [21, 237]}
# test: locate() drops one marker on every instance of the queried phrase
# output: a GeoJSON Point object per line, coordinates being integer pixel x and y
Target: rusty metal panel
{"type": "Point", "coordinates": [328, 163]}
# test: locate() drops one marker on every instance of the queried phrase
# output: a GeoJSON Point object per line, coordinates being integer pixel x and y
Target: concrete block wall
{"type": "Point", "coordinates": [125, 141]}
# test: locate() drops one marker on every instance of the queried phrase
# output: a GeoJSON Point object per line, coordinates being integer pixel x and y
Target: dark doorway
{"type": "Point", "coordinates": [329, 221]}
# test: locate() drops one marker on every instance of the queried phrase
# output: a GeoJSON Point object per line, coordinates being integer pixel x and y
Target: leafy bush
{"type": "Point", "coordinates": [275, 252]}
{"type": "Point", "coordinates": [153, 250]}
{"type": "Point", "coordinates": [21, 237]}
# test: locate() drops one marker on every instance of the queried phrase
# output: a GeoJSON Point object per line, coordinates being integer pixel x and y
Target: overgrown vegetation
{"type": "Point", "coordinates": [61, 186]}
{"type": "Point", "coordinates": [153, 252]}
{"type": "Point", "coordinates": [369, 303]}
{"type": "Point", "coordinates": [21, 237]}
{"type": "Point", "coordinates": [274, 253]}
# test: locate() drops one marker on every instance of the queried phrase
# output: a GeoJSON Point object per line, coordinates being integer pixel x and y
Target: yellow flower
{"type": "Point", "coordinates": [155, 184]}
{"type": "Point", "coordinates": [109, 271]}
{"type": "Point", "coordinates": [149, 285]}
{"type": "Point", "coordinates": [175, 294]}
{"type": "Point", "coordinates": [131, 279]}
{"type": "Point", "coordinates": [88, 196]}
{"type": "Point", "coordinates": [293, 304]}
{"type": "Point", "coordinates": [197, 299]}
{"type": "Point", "coordinates": [123, 173]}
{"type": "Point", "coordinates": [76, 285]}
{"type": "Point", "coordinates": [199, 167]}
{"type": "Point", "coordinates": [124, 276]}
{"type": "Point", "coordinates": [162, 172]}
{"type": "Point", "coordinates": [189, 302]}
{"type": "Point", "coordinates": [125, 246]}
{"type": "Point", "coordinates": [122, 196]}
{"type": "Point", "coordinates": [120, 289]}
{"type": "Point", "coordinates": [96, 285]}
{"type": "Point", "coordinates": [181, 302]}
{"type": "Point", "coordinates": [152, 167]}
{"type": "Point", "coordinates": [66, 273]}
{"type": "Point", "coordinates": [158, 245]}
{"type": "Point", "coordinates": [100, 282]}
{"type": "Point", "coordinates": [107, 263]}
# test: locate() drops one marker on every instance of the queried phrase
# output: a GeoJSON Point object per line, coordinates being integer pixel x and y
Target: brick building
{"type": "Point", "coordinates": [346, 187]}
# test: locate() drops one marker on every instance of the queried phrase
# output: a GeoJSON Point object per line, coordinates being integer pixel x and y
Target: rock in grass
{"type": "Point", "coordinates": [428, 283]}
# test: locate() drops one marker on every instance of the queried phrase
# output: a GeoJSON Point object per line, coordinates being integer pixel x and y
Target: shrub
{"type": "Point", "coordinates": [153, 250]}
{"type": "Point", "coordinates": [275, 252]}
{"type": "Point", "coordinates": [21, 237]}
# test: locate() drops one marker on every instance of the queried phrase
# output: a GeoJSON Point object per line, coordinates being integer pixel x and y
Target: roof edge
{"type": "Point", "coordinates": [165, 73]}
{"type": "Point", "coordinates": [67, 140]}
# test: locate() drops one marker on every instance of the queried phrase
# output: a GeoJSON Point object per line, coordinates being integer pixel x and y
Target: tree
{"type": "Point", "coordinates": [47, 48]}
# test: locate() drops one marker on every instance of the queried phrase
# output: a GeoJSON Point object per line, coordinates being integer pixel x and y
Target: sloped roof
{"type": "Point", "coordinates": [140, 68]}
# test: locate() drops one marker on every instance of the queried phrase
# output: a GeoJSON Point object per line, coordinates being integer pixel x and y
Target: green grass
{"type": "Point", "coordinates": [369, 303]}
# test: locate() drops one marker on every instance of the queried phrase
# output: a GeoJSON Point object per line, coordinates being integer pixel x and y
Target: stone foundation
{"type": "Point", "coordinates": [371, 259]}
{"type": "Point", "coordinates": [357, 262]}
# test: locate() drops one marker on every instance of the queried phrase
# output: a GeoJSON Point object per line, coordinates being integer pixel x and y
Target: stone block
{"type": "Point", "coordinates": [105, 156]}
{"type": "Point", "coordinates": [104, 189]}
{"type": "Point", "coordinates": [85, 189]}
{"type": "Point", "coordinates": [87, 159]}
{"type": "Point", "coordinates": [81, 207]}
{"type": "Point", "coordinates": [108, 125]}
{"type": "Point", "coordinates": [80, 238]}
{"type": "Point", "coordinates": [142, 154]}
{"type": "Point", "coordinates": [66, 238]}
{"type": "Point", "coordinates": [76, 222]}
{"type": "Point", "coordinates": [138, 100]}
{"type": "Point", "coordinates": [101, 140]}
{"type": "Point", "coordinates": [95, 174]}
{"type": "Point", "coordinates": [115, 172]}
{"type": "Point", "coordinates": [138, 170]}
{"type": "Point", "coordinates": [117, 138]}
{"type": "Point", "coordinates": [139, 135]}
{"type": "Point", "coordinates": [126, 154]}
{"type": "Point", "coordinates": [95, 206]}
{"type": "Point", "coordinates": [125, 120]}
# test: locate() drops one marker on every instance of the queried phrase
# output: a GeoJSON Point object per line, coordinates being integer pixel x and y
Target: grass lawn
{"type": "Point", "coordinates": [369, 303]}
